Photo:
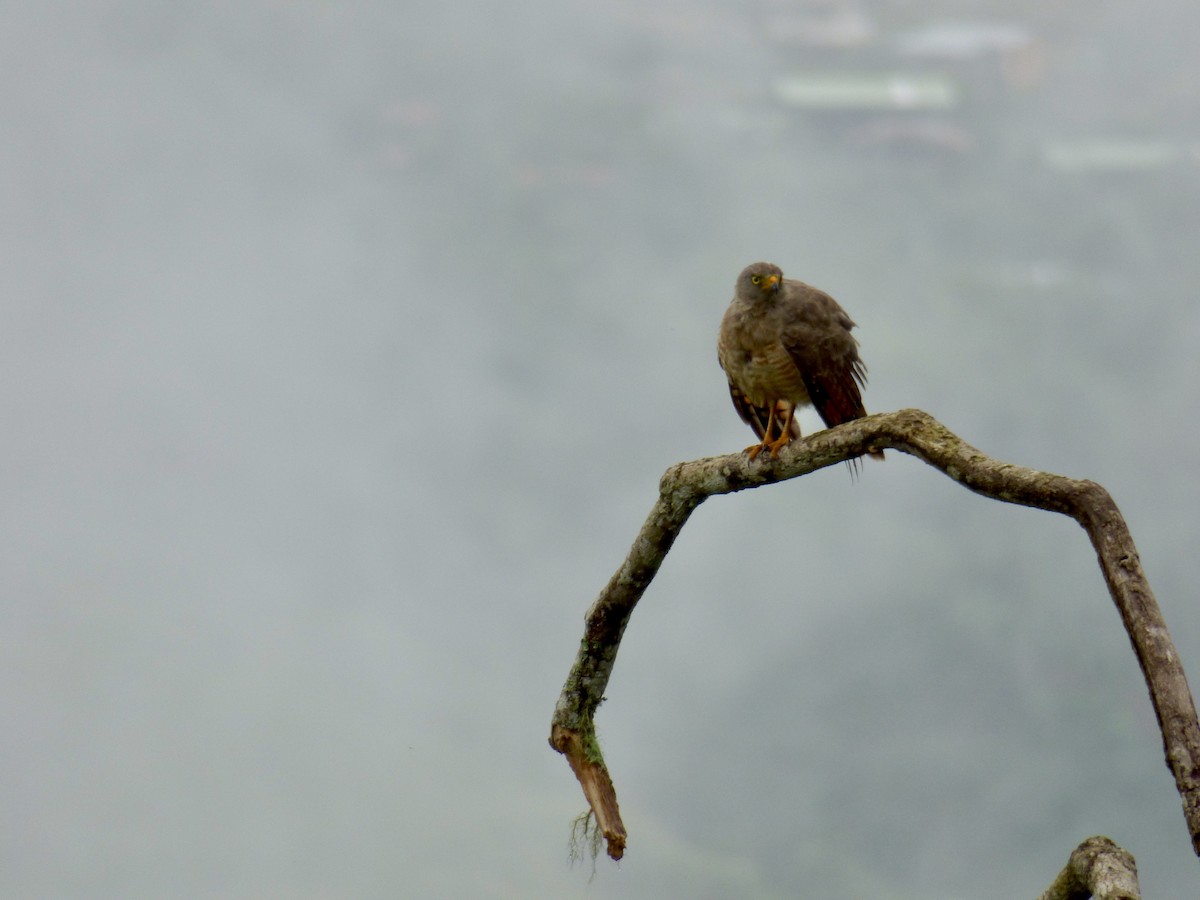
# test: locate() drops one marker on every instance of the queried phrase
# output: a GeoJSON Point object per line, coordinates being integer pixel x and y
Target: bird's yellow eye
{"type": "Point", "coordinates": [756, 279]}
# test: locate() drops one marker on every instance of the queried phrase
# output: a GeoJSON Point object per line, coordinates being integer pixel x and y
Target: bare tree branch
{"type": "Point", "coordinates": [685, 486]}
{"type": "Point", "coordinates": [1097, 868]}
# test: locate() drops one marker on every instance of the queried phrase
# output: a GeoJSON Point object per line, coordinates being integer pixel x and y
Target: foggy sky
{"type": "Point", "coordinates": [344, 346]}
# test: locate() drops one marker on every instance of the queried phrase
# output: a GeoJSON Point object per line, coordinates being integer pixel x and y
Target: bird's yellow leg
{"type": "Point", "coordinates": [754, 449]}
{"type": "Point", "coordinates": [785, 435]}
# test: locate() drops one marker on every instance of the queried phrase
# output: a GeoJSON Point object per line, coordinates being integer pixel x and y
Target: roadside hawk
{"type": "Point", "coordinates": [784, 344]}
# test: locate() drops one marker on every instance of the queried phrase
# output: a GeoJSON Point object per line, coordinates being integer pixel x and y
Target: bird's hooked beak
{"type": "Point", "coordinates": [772, 283]}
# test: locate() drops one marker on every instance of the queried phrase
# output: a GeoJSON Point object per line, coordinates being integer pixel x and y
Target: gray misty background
{"type": "Point", "coordinates": [344, 344]}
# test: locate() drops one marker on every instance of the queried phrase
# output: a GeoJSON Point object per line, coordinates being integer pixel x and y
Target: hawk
{"type": "Point", "coordinates": [784, 344]}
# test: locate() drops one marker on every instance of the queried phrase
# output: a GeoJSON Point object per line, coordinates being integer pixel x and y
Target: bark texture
{"type": "Point", "coordinates": [1097, 868]}
{"type": "Point", "coordinates": [686, 485]}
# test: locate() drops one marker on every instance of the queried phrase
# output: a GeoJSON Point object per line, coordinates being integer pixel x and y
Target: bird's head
{"type": "Point", "coordinates": [759, 280]}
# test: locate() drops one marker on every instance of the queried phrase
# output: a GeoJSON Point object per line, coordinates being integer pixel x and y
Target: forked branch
{"type": "Point", "coordinates": [685, 486]}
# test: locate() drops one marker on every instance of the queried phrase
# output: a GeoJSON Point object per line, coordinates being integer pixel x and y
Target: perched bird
{"type": "Point", "coordinates": [784, 344]}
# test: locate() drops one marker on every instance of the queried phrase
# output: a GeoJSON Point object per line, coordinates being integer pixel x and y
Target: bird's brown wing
{"type": "Point", "coordinates": [816, 334]}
